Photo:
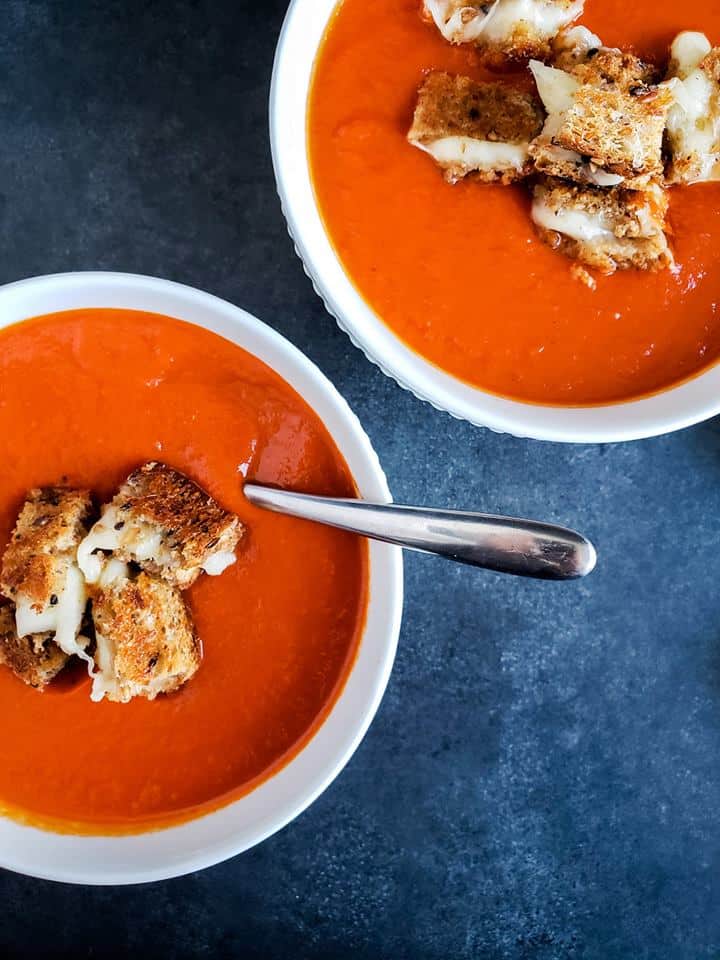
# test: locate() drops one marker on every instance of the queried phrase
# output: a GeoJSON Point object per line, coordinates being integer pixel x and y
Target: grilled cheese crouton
{"type": "Point", "coordinates": [146, 642]}
{"type": "Point", "coordinates": [36, 659]}
{"type": "Point", "coordinates": [39, 569]}
{"type": "Point", "coordinates": [166, 524]}
{"type": "Point", "coordinates": [608, 229]}
{"type": "Point", "coordinates": [694, 119]}
{"type": "Point", "coordinates": [514, 29]}
{"type": "Point", "coordinates": [479, 128]}
{"type": "Point", "coordinates": [574, 46]}
{"type": "Point", "coordinates": [606, 116]}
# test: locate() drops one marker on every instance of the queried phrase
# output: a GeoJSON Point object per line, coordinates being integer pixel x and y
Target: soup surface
{"type": "Point", "coordinates": [456, 271]}
{"type": "Point", "coordinates": [88, 395]}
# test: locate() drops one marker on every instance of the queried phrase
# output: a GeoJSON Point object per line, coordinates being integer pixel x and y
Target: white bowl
{"type": "Point", "coordinates": [226, 832]}
{"type": "Point", "coordinates": [673, 409]}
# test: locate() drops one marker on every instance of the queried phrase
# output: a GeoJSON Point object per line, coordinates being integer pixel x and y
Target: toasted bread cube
{"type": "Point", "coordinates": [36, 660]}
{"type": "Point", "coordinates": [39, 569]}
{"type": "Point", "coordinates": [606, 116]}
{"type": "Point", "coordinates": [479, 128]}
{"type": "Point", "coordinates": [512, 29]}
{"type": "Point", "coordinates": [146, 642]}
{"type": "Point", "coordinates": [609, 229]}
{"type": "Point", "coordinates": [694, 119]}
{"type": "Point", "coordinates": [166, 524]}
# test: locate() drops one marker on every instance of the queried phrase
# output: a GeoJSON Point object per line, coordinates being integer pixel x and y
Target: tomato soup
{"type": "Point", "coordinates": [88, 395]}
{"type": "Point", "coordinates": [457, 271]}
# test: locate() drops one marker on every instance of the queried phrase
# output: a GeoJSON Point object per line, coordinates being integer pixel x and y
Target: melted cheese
{"type": "Point", "coordinates": [694, 119]}
{"type": "Point", "coordinates": [458, 24]}
{"type": "Point", "coordinates": [113, 571]}
{"type": "Point", "coordinates": [578, 41]}
{"type": "Point", "coordinates": [557, 91]}
{"type": "Point", "coordinates": [543, 17]}
{"type": "Point", "coordinates": [587, 227]}
{"type": "Point", "coordinates": [688, 51]}
{"type": "Point", "coordinates": [105, 681]}
{"type": "Point", "coordinates": [469, 23]}
{"type": "Point", "coordinates": [139, 541]}
{"type": "Point", "coordinates": [471, 154]}
{"type": "Point", "coordinates": [219, 562]}
{"type": "Point", "coordinates": [597, 176]}
{"type": "Point", "coordinates": [63, 618]}
{"type": "Point", "coordinates": [114, 531]}
{"type": "Point", "coordinates": [576, 224]}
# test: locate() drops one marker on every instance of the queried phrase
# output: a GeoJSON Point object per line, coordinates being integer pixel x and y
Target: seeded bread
{"type": "Point", "coordinates": [36, 660]}
{"type": "Point", "coordinates": [475, 128]}
{"type": "Point", "coordinates": [146, 642]}
{"type": "Point", "coordinates": [166, 524]}
{"type": "Point", "coordinates": [608, 229]}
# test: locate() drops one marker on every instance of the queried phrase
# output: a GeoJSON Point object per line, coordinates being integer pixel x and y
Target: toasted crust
{"type": "Point", "coordinates": [607, 67]}
{"type": "Point", "coordinates": [144, 630]}
{"type": "Point", "coordinates": [631, 225]}
{"type": "Point", "coordinates": [711, 65]}
{"type": "Point", "coordinates": [458, 106]}
{"type": "Point", "coordinates": [491, 113]}
{"type": "Point", "coordinates": [499, 35]}
{"type": "Point", "coordinates": [614, 125]}
{"type": "Point", "coordinates": [52, 523]}
{"type": "Point", "coordinates": [523, 42]}
{"type": "Point", "coordinates": [192, 526]}
{"type": "Point", "coordinates": [35, 660]}
{"type": "Point", "coordinates": [619, 132]}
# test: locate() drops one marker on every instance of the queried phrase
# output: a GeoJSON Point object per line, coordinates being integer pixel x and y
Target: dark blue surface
{"type": "Point", "coordinates": [543, 778]}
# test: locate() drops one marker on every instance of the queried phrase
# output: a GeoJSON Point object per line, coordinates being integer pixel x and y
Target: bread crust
{"type": "Point", "coordinates": [36, 660]}
{"type": "Point", "coordinates": [52, 523]}
{"type": "Point", "coordinates": [615, 124]}
{"type": "Point", "coordinates": [634, 220]}
{"type": "Point", "coordinates": [150, 632]}
{"type": "Point", "coordinates": [192, 525]}
{"type": "Point", "coordinates": [492, 113]}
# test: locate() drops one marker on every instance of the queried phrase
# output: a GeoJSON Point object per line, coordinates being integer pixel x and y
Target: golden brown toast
{"type": "Point", "coordinates": [475, 128]}
{"type": "Point", "coordinates": [52, 522]}
{"type": "Point", "coordinates": [36, 660]}
{"type": "Point", "coordinates": [166, 524]}
{"type": "Point", "coordinates": [609, 229]}
{"type": "Point", "coordinates": [146, 642]}
{"type": "Point", "coordinates": [608, 130]}
{"type": "Point", "coordinates": [39, 569]}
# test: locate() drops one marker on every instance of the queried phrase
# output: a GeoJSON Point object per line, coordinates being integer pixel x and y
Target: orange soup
{"type": "Point", "coordinates": [88, 395]}
{"type": "Point", "coordinates": [456, 271]}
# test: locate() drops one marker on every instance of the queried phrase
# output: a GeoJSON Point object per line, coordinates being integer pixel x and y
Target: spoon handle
{"type": "Point", "coordinates": [521, 547]}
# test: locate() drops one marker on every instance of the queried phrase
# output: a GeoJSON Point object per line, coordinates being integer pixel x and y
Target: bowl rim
{"type": "Point", "coordinates": [672, 409]}
{"type": "Point", "coordinates": [240, 825]}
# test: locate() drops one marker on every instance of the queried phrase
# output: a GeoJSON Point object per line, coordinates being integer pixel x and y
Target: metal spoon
{"type": "Point", "coordinates": [521, 547]}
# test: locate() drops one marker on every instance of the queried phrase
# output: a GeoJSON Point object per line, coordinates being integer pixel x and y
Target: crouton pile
{"type": "Point", "coordinates": [111, 591]}
{"type": "Point", "coordinates": [598, 142]}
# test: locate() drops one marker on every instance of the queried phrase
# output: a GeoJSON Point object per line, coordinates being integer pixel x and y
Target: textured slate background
{"type": "Point", "coordinates": [543, 778]}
